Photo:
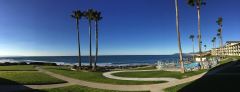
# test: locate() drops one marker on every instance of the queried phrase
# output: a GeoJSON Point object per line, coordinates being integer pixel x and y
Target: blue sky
{"type": "Point", "coordinates": [129, 27]}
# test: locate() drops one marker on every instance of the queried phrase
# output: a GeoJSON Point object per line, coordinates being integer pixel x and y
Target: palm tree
{"type": "Point", "coordinates": [213, 41]}
{"type": "Point", "coordinates": [219, 37]}
{"type": "Point", "coordinates": [78, 15]}
{"type": "Point", "coordinates": [198, 4]}
{"type": "Point", "coordinates": [89, 16]}
{"type": "Point", "coordinates": [205, 46]}
{"type": "Point", "coordinates": [96, 17]}
{"type": "Point", "coordinates": [192, 38]}
{"type": "Point", "coordinates": [179, 40]}
{"type": "Point", "coordinates": [219, 22]}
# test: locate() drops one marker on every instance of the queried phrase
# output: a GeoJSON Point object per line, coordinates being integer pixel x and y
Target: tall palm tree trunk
{"type": "Point", "coordinates": [199, 33]}
{"type": "Point", "coordinates": [220, 47]}
{"type": "Point", "coordinates": [193, 47]}
{"type": "Point", "coordinates": [90, 43]}
{"type": "Point", "coordinates": [78, 41]}
{"type": "Point", "coordinates": [96, 56]}
{"type": "Point", "coordinates": [213, 45]}
{"type": "Point", "coordinates": [179, 41]}
{"type": "Point", "coordinates": [221, 41]}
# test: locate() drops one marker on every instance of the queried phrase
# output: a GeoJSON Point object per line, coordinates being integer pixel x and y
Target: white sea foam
{"type": "Point", "coordinates": [8, 60]}
{"type": "Point", "coordinates": [33, 61]}
{"type": "Point", "coordinates": [71, 64]}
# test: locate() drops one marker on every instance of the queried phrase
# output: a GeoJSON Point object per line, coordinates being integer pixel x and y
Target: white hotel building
{"type": "Point", "coordinates": [232, 48]}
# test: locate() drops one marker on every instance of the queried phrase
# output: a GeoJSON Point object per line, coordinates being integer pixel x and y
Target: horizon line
{"type": "Point", "coordinates": [74, 55]}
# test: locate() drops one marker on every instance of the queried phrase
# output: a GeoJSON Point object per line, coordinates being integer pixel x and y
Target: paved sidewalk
{"type": "Point", "coordinates": [109, 75]}
{"type": "Point", "coordinates": [72, 81]}
{"type": "Point", "coordinates": [99, 85]}
{"type": "Point", "coordinates": [149, 87]}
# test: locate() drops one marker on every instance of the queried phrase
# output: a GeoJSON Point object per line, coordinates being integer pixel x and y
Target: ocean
{"type": "Point", "coordinates": [114, 60]}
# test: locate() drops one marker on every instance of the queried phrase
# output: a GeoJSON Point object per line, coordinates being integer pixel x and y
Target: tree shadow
{"type": "Point", "coordinates": [225, 80]}
{"type": "Point", "coordinates": [11, 86]}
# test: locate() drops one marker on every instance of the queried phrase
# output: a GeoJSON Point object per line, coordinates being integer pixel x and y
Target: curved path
{"type": "Point", "coordinates": [72, 81]}
{"type": "Point", "coordinates": [150, 87]}
{"type": "Point", "coordinates": [109, 75]}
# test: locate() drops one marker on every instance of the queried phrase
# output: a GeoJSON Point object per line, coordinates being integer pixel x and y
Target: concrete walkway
{"type": "Point", "coordinates": [15, 88]}
{"type": "Point", "coordinates": [72, 81]}
{"type": "Point", "coordinates": [149, 87]}
{"type": "Point", "coordinates": [109, 75]}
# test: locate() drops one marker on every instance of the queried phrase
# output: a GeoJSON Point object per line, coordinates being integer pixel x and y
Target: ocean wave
{"type": "Point", "coordinates": [33, 61]}
{"type": "Point", "coordinates": [9, 60]}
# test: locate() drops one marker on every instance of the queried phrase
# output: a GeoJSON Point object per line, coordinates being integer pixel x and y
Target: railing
{"type": "Point", "coordinates": [189, 64]}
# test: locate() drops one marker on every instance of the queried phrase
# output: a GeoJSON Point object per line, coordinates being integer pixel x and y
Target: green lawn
{"type": "Point", "coordinates": [96, 77]}
{"type": "Point", "coordinates": [75, 88]}
{"type": "Point", "coordinates": [158, 74]}
{"type": "Point", "coordinates": [214, 83]}
{"type": "Point", "coordinates": [176, 88]}
{"type": "Point", "coordinates": [17, 68]}
{"type": "Point", "coordinates": [144, 68]}
{"type": "Point", "coordinates": [26, 77]}
{"type": "Point", "coordinates": [225, 61]}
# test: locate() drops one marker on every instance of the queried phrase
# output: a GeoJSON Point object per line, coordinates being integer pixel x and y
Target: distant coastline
{"type": "Point", "coordinates": [105, 60]}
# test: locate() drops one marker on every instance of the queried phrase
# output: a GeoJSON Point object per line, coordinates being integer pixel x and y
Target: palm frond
{"type": "Point", "coordinates": [219, 21]}
{"type": "Point", "coordinates": [191, 2]}
{"type": "Point", "coordinates": [73, 16]}
{"type": "Point", "coordinates": [77, 14]}
{"type": "Point", "coordinates": [89, 14]}
{"type": "Point", "coordinates": [203, 2]}
{"type": "Point", "coordinates": [191, 36]}
{"type": "Point", "coordinates": [214, 38]}
{"type": "Point", "coordinates": [218, 34]}
{"type": "Point", "coordinates": [219, 30]}
{"type": "Point", "coordinates": [97, 16]}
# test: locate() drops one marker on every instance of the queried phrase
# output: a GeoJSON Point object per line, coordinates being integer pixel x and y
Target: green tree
{"type": "Point", "coordinates": [96, 17]}
{"type": "Point", "coordinates": [77, 15]}
{"type": "Point", "coordinates": [198, 4]}
{"type": "Point", "coordinates": [179, 38]}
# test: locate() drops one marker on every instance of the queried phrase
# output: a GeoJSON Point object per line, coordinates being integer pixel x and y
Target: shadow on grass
{"type": "Point", "coordinates": [10, 86]}
{"type": "Point", "coordinates": [225, 80]}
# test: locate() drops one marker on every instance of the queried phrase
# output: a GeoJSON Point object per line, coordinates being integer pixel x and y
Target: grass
{"type": "Point", "coordinates": [225, 61]}
{"type": "Point", "coordinates": [17, 68]}
{"type": "Point", "coordinates": [144, 68]}
{"type": "Point", "coordinates": [176, 88]}
{"type": "Point", "coordinates": [158, 74]}
{"type": "Point", "coordinates": [216, 83]}
{"type": "Point", "coordinates": [95, 77]}
{"type": "Point", "coordinates": [76, 88]}
{"type": "Point", "coordinates": [26, 78]}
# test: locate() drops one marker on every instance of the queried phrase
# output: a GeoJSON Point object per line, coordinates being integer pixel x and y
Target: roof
{"type": "Point", "coordinates": [233, 42]}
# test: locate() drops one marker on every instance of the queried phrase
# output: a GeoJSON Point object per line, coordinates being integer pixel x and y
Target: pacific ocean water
{"type": "Point", "coordinates": [110, 60]}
